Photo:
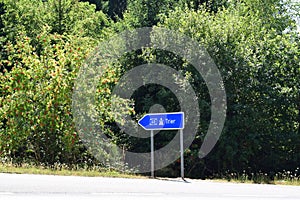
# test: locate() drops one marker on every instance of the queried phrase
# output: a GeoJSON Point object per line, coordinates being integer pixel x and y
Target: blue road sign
{"type": "Point", "coordinates": [162, 121]}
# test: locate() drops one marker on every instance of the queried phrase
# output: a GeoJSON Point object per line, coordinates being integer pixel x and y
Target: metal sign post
{"type": "Point", "coordinates": [152, 154]}
{"type": "Point", "coordinates": [181, 154]}
{"type": "Point", "coordinates": [164, 121]}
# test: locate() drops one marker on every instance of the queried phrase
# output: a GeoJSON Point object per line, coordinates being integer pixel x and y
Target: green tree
{"type": "Point", "coordinates": [42, 54]}
{"type": "Point", "coordinates": [254, 44]}
{"type": "Point", "coordinates": [258, 62]}
{"type": "Point", "coordinates": [36, 119]}
{"type": "Point", "coordinates": [116, 8]}
{"type": "Point", "coordinates": [100, 4]}
{"type": "Point", "coordinates": [63, 17]}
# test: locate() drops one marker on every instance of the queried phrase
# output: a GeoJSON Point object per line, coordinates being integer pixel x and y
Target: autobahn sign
{"type": "Point", "coordinates": [162, 121]}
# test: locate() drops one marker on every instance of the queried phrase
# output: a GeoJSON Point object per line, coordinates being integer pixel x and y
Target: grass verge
{"type": "Point", "coordinates": [102, 172]}
{"type": "Point", "coordinates": [273, 182]}
{"type": "Point", "coordinates": [93, 172]}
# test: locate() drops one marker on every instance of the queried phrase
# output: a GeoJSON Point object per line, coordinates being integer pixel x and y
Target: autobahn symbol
{"type": "Point", "coordinates": [162, 121]}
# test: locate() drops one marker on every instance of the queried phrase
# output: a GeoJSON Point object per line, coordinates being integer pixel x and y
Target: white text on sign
{"type": "Point", "coordinates": [161, 121]}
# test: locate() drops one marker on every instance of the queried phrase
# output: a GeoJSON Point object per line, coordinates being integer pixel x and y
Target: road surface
{"type": "Point", "coordinates": [44, 187]}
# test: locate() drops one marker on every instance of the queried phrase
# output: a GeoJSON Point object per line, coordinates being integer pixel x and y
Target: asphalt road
{"type": "Point", "coordinates": [42, 187]}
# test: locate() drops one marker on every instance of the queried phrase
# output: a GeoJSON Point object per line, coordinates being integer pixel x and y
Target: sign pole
{"type": "Point", "coordinates": [181, 154]}
{"type": "Point", "coordinates": [152, 154]}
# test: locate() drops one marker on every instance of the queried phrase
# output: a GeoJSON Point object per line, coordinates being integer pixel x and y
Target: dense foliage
{"type": "Point", "coordinates": [260, 68]}
{"type": "Point", "coordinates": [254, 43]}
